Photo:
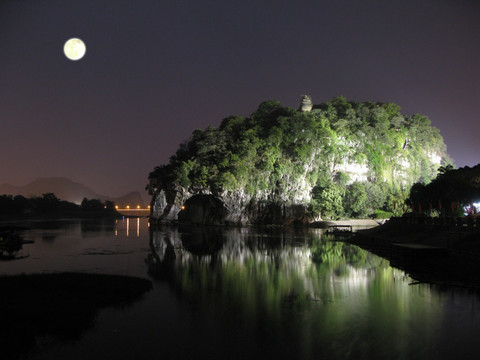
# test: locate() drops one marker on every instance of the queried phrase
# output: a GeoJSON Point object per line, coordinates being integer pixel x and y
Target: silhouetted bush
{"type": "Point", "coordinates": [49, 206]}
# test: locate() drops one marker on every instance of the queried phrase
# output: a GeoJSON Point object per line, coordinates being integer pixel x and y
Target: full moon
{"type": "Point", "coordinates": [74, 49]}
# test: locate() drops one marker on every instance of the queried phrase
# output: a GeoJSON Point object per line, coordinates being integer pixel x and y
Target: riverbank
{"type": "Point", "coordinates": [430, 253]}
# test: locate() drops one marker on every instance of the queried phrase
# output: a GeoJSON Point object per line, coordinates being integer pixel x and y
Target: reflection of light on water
{"type": "Point", "coordinates": [125, 225]}
{"type": "Point", "coordinates": [285, 267]}
{"type": "Point", "coordinates": [160, 245]}
{"type": "Point", "coordinates": [356, 278]}
{"type": "Point", "coordinates": [326, 292]}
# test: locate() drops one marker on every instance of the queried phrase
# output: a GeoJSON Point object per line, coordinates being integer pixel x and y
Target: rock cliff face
{"type": "Point", "coordinates": [286, 166]}
{"type": "Point", "coordinates": [238, 207]}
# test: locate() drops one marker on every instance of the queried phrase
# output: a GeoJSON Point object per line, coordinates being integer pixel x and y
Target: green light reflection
{"type": "Point", "coordinates": [327, 297]}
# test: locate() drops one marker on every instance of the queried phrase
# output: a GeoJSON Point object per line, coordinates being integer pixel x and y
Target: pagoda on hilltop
{"type": "Point", "coordinates": [306, 103]}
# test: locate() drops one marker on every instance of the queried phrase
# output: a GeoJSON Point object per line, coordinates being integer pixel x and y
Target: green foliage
{"type": "Point", "coordinates": [228, 181]}
{"type": "Point", "coordinates": [380, 214]}
{"type": "Point", "coordinates": [376, 196]}
{"type": "Point", "coordinates": [449, 193]}
{"type": "Point", "coordinates": [278, 150]}
{"type": "Point", "coordinates": [342, 179]}
{"type": "Point", "coordinates": [355, 200]}
{"type": "Point", "coordinates": [327, 200]}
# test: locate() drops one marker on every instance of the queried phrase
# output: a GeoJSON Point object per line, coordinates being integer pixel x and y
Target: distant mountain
{"type": "Point", "coordinates": [8, 189]}
{"type": "Point", "coordinates": [132, 199]}
{"type": "Point", "coordinates": [63, 188]}
{"type": "Point", "coordinates": [66, 189]}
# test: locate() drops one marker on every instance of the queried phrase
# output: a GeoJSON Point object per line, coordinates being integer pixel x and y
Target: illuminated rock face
{"type": "Point", "coordinates": [226, 208]}
{"type": "Point", "coordinates": [202, 206]}
{"type": "Point", "coordinates": [264, 169]}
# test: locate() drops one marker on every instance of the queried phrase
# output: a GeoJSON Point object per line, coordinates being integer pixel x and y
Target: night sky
{"type": "Point", "coordinates": [154, 71]}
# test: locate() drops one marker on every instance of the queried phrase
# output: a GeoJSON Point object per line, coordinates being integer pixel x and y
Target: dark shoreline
{"type": "Point", "coordinates": [434, 254]}
{"type": "Point", "coordinates": [60, 305]}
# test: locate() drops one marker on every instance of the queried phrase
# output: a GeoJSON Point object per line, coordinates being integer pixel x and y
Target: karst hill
{"type": "Point", "coordinates": [280, 165]}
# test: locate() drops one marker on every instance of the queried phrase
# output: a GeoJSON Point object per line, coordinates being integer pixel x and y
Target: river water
{"type": "Point", "coordinates": [248, 293]}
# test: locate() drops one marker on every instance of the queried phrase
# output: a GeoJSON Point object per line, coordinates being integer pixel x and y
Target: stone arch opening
{"type": "Point", "coordinates": [203, 209]}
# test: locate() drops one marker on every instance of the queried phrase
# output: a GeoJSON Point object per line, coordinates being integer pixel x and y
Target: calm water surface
{"type": "Point", "coordinates": [244, 292]}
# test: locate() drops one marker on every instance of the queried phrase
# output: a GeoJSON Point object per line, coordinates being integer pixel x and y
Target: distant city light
{"type": "Point", "coordinates": [128, 206]}
{"type": "Point", "coordinates": [183, 207]}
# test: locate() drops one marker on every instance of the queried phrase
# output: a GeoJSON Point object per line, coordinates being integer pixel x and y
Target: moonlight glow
{"type": "Point", "coordinates": [74, 49]}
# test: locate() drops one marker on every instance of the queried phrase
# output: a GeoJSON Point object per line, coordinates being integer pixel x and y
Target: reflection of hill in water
{"type": "Point", "coordinates": [292, 294]}
{"type": "Point", "coordinates": [262, 271]}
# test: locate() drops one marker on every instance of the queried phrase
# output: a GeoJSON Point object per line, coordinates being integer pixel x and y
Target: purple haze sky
{"type": "Point", "coordinates": [156, 70]}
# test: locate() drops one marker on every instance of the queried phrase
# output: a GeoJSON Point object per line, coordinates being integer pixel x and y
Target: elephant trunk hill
{"type": "Point", "coordinates": [339, 159]}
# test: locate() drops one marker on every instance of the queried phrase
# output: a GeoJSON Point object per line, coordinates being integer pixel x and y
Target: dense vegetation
{"type": "Point", "coordinates": [281, 154]}
{"type": "Point", "coordinates": [48, 205]}
{"type": "Point", "coordinates": [450, 193]}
